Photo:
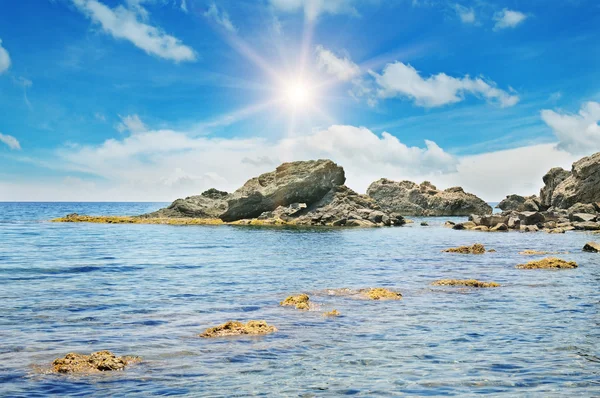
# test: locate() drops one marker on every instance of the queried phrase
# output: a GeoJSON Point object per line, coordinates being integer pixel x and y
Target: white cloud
{"type": "Point", "coordinates": [184, 7]}
{"type": "Point", "coordinates": [221, 17]}
{"type": "Point", "coordinates": [4, 59]}
{"type": "Point", "coordinates": [342, 68]}
{"type": "Point", "coordinates": [313, 8]}
{"type": "Point", "coordinates": [11, 141]}
{"type": "Point", "coordinates": [400, 80]}
{"type": "Point", "coordinates": [508, 19]}
{"type": "Point", "coordinates": [131, 123]}
{"type": "Point", "coordinates": [578, 134]}
{"type": "Point", "coordinates": [466, 15]}
{"type": "Point", "coordinates": [123, 23]}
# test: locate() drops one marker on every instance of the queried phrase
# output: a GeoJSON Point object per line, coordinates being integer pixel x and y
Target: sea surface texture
{"type": "Point", "coordinates": [149, 290]}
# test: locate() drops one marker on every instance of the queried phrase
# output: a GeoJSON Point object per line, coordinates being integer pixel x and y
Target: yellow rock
{"type": "Point", "coordinates": [332, 313]}
{"type": "Point", "coordinates": [477, 248]}
{"type": "Point", "coordinates": [548, 263]}
{"type": "Point", "coordinates": [465, 282]}
{"type": "Point", "coordinates": [300, 301]}
{"type": "Point", "coordinates": [235, 328]}
{"type": "Point", "coordinates": [101, 361]}
{"type": "Point", "coordinates": [380, 293]}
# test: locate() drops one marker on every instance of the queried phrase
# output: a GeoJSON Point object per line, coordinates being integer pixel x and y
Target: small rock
{"type": "Point", "coordinates": [449, 224]}
{"type": "Point", "coordinates": [465, 282]}
{"type": "Point", "coordinates": [380, 293]}
{"type": "Point", "coordinates": [480, 228]}
{"type": "Point", "coordinates": [301, 302]}
{"type": "Point", "coordinates": [583, 217]}
{"type": "Point", "coordinates": [332, 313]}
{"type": "Point", "coordinates": [101, 361]}
{"type": "Point", "coordinates": [477, 248]}
{"type": "Point", "coordinates": [235, 328]}
{"type": "Point", "coordinates": [548, 263]}
{"type": "Point", "coordinates": [529, 228]}
{"type": "Point", "coordinates": [557, 231]}
{"type": "Point", "coordinates": [514, 223]}
{"type": "Point", "coordinates": [531, 218]}
{"type": "Point", "coordinates": [499, 227]}
{"type": "Point", "coordinates": [592, 247]}
{"type": "Point", "coordinates": [424, 224]}
{"type": "Point", "coordinates": [586, 226]}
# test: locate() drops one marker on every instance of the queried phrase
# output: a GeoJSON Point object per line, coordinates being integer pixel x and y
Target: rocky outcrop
{"type": "Point", "coordinates": [477, 248]}
{"type": "Point", "coordinates": [296, 193]}
{"type": "Point", "coordinates": [564, 189]}
{"type": "Point", "coordinates": [101, 361]}
{"type": "Point", "coordinates": [520, 203]}
{"type": "Point", "coordinates": [465, 283]}
{"type": "Point", "coordinates": [210, 204]}
{"type": "Point", "coordinates": [301, 302]}
{"type": "Point", "coordinates": [408, 198]}
{"type": "Point", "coordinates": [296, 182]}
{"type": "Point", "coordinates": [380, 293]}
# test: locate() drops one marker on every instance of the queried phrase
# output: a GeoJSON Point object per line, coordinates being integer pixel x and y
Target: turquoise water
{"type": "Point", "coordinates": [149, 290]}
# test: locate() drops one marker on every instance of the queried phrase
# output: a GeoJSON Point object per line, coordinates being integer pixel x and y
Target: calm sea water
{"type": "Point", "coordinates": [149, 290]}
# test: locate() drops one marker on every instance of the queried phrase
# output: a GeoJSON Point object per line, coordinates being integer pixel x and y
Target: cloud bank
{"type": "Point", "coordinates": [577, 133]}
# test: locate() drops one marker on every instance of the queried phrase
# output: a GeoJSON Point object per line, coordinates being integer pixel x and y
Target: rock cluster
{"type": "Point", "coordinates": [409, 199]}
{"type": "Point", "coordinates": [101, 361]}
{"type": "Point", "coordinates": [297, 193]}
{"type": "Point", "coordinates": [552, 221]}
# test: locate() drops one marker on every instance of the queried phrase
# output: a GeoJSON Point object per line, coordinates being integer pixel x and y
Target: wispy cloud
{"type": "Point", "coordinates": [4, 59]}
{"type": "Point", "coordinates": [129, 24]}
{"type": "Point", "coordinates": [577, 133]}
{"type": "Point", "coordinates": [131, 123]}
{"type": "Point", "coordinates": [342, 68]}
{"type": "Point", "coordinates": [11, 141]}
{"type": "Point", "coordinates": [221, 17]}
{"type": "Point", "coordinates": [314, 8]}
{"type": "Point", "coordinates": [508, 19]}
{"type": "Point", "coordinates": [466, 14]}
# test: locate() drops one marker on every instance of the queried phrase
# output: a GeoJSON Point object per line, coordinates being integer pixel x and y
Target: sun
{"type": "Point", "coordinates": [298, 93]}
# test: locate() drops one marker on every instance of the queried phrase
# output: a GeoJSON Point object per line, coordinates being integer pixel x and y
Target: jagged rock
{"type": "Point", "coordinates": [283, 213]}
{"type": "Point", "coordinates": [548, 263]}
{"type": "Point", "coordinates": [477, 248]}
{"type": "Point", "coordinates": [531, 218]}
{"type": "Point", "coordinates": [341, 203]}
{"type": "Point", "coordinates": [588, 208]}
{"type": "Point", "coordinates": [493, 220]}
{"type": "Point", "coordinates": [592, 247]}
{"type": "Point", "coordinates": [583, 217]}
{"type": "Point", "coordinates": [210, 204]}
{"type": "Point", "coordinates": [295, 182]}
{"type": "Point", "coordinates": [581, 185]}
{"type": "Point", "coordinates": [408, 198]}
{"type": "Point", "coordinates": [101, 361]}
{"type": "Point", "coordinates": [514, 223]}
{"type": "Point", "coordinates": [520, 203]}
{"type": "Point", "coordinates": [235, 328]}
{"type": "Point", "coordinates": [531, 205]}
{"type": "Point", "coordinates": [552, 179]}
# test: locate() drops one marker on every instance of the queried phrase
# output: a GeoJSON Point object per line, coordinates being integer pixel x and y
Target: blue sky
{"type": "Point", "coordinates": [155, 99]}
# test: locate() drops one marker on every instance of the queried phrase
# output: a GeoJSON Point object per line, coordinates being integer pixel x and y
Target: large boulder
{"type": "Point", "coordinates": [581, 185]}
{"type": "Point", "coordinates": [210, 204]}
{"type": "Point", "coordinates": [295, 182]}
{"type": "Point", "coordinates": [408, 198]}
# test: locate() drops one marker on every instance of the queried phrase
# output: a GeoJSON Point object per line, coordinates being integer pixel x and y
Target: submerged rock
{"type": "Point", "coordinates": [101, 361]}
{"type": "Point", "coordinates": [538, 253]}
{"type": "Point", "coordinates": [465, 282]}
{"type": "Point", "coordinates": [548, 263]}
{"type": "Point", "coordinates": [301, 302]}
{"type": "Point", "coordinates": [380, 293]}
{"type": "Point", "coordinates": [477, 248]}
{"type": "Point", "coordinates": [408, 198]}
{"type": "Point", "coordinates": [235, 328]}
{"type": "Point", "coordinates": [332, 313]}
{"type": "Point", "coordinates": [592, 247]}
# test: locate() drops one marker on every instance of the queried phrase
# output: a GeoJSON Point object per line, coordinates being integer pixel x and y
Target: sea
{"type": "Point", "coordinates": [150, 290]}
